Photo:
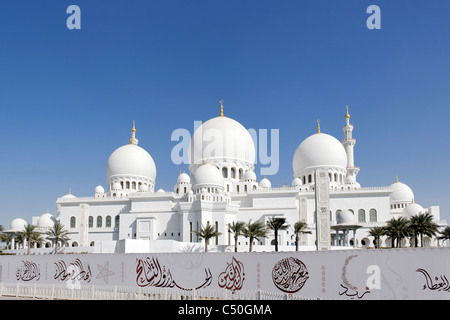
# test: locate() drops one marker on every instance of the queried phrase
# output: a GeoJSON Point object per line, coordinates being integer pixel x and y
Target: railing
{"type": "Point", "coordinates": [82, 292]}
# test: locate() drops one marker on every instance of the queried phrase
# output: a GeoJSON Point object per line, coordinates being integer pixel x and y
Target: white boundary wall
{"type": "Point", "coordinates": [411, 273]}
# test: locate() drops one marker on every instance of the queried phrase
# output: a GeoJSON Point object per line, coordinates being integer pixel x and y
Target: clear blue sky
{"type": "Point", "coordinates": [68, 97]}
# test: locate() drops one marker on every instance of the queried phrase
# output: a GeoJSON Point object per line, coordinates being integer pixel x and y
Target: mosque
{"type": "Point", "coordinates": [222, 187]}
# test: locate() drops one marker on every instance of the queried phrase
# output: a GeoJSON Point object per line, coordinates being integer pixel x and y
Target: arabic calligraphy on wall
{"type": "Point", "coordinates": [233, 277]}
{"type": "Point", "coordinates": [28, 271]}
{"type": "Point", "coordinates": [435, 284]}
{"type": "Point", "coordinates": [349, 289]}
{"type": "Point", "coordinates": [75, 271]}
{"type": "Point", "coordinates": [150, 273]}
{"type": "Point", "coordinates": [289, 275]}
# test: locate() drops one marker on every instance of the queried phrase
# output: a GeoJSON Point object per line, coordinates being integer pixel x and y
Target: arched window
{"type": "Point", "coordinates": [225, 172]}
{"type": "Point", "coordinates": [91, 222]}
{"type": "Point", "coordinates": [73, 222]}
{"type": "Point", "coordinates": [240, 174]}
{"type": "Point", "coordinates": [335, 177]}
{"type": "Point", "coordinates": [128, 184]}
{"type": "Point", "coordinates": [309, 178]}
{"type": "Point", "coordinates": [99, 222]}
{"type": "Point", "coordinates": [116, 221]}
{"type": "Point", "coordinates": [338, 212]}
{"type": "Point", "coordinates": [133, 185]}
{"type": "Point", "coordinates": [361, 215]}
{"type": "Point", "coordinates": [108, 221]}
{"type": "Point", "coordinates": [233, 173]}
{"type": "Point", "coordinates": [74, 244]}
{"type": "Point", "coordinates": [373, 215]}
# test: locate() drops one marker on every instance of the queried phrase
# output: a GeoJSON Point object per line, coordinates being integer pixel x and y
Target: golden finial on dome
{"type": "Point", "coordinates": [318, 126]}
{"type": "Point", "coordinates": [347, 116]}
{"type": "Point", "coordinates": [133, 139]}
{"type": "Point", "coordinates": [396, 178]}
{"type": "Point", "coordinates": [221, 108]}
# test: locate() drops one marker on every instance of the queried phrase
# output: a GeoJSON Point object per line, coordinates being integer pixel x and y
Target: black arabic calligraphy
{"type": "Point", "coordinates": [352, 294]}
{"type": "Point", "coordinates": [75, 271]}
{"type": "Point", "coordinates": [150, 273]}
{"type": "Point", "coordinates": [28, 271]}
{"type": "Point", "coordinates": [440, 285]}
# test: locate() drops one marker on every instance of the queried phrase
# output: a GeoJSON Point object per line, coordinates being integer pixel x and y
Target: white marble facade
{"type": "Point", "coordinates": [130, 216]}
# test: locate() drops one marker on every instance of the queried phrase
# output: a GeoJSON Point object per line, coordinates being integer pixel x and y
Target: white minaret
{"type": "Point", "coordinates": [349, 144]}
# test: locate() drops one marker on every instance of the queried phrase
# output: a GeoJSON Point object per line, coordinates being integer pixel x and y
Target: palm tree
{"type": "Point", "coordinates": [58, 233]}
{"type": "Point", "coordinates": [5, 237]}
{"type": "Point", "coordinates": [422, 224]}
{"type": "Point", "coordinates": [300, 227]}
{"type": "Point", "coordinates": [377, 232]}
{"type": "Point", "coordinates": [29, 233]}
{"type": "Point", "coordinates": [207, 233]}
{"type": "Point", "coordinates": [237, 228]}
{"type": "Point", "coordinates": [253, 231]}
{"type": "Point", "coordinates": [397, 229]}
{"type": "Point", "coordinates": [276, 224]}
{"type": "Point", "coordinates": [445, 234]}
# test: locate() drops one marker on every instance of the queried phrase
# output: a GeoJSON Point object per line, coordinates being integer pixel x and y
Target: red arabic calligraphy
{"type": "Point", "coordinates": [233, 276]}
{"type": "Point", "coordinates": [289, 275]}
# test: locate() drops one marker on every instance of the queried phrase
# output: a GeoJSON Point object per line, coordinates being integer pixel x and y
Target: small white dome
{"type": "Point", "coordinates": [412, 210]}
{"type": "Point", "coordinates": [46, 221]}
{"type": "Point", "coordinates": [143, 188]}
{"type": "Point", "coordinates": [345, 216]}
{"type": "Point", "coordinates": [184, 178]}
{"type": "Point", "coordinates": [319, 150]}
{"type": "Point", "coordinates": [249, 175]}
{"type": "Point", "coordinates": [18, 225]}
{"type": "Point", "coordinates": [297, 182]}
{"type": "Point", "coordinates": [160, 190]}
{"type": "Point", "coordinates": [116, 186]}
{"type": "Point", "coordinates": [265, 183]}
{"type": "Point", "coordinates": [69, 196]}
{"type": "Point", "coordinates": [99, 189]}
{"type": "Point", "coordinates": [206, 176]}
{"type": "Point", "coordinates": [131, 160]}
{"type": "Point", "coordinates": [401, 193]}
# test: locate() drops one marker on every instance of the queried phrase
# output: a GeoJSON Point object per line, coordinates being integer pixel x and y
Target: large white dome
{"type": "Point", "coordinates": [221, 139]}
{"type": "Point", "coordinates": [131, 160]}
{"type": "Point", "coordinates": [207, 176]}
{"type": "Point", "coordinates": [319, 150]}
{"type": "Point", "coordinates": [401, 193]}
